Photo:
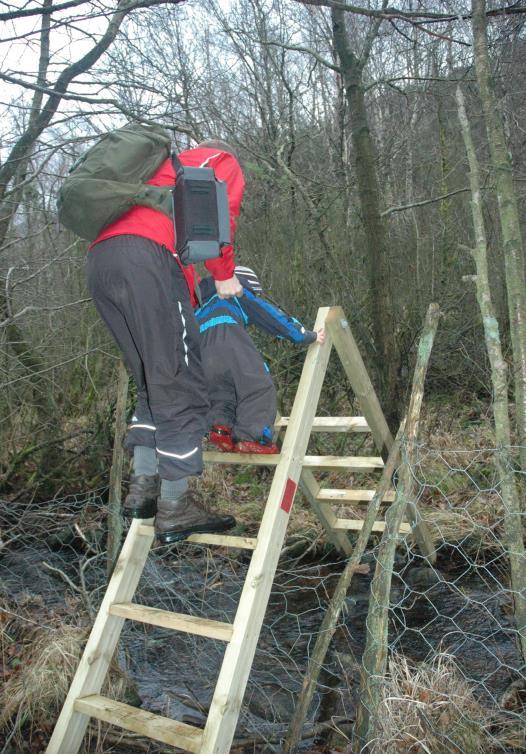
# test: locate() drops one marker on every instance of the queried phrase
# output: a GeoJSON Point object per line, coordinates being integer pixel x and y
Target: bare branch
{"type": "Point", "coordinates": [391, 81]}
{"type": "Point", "coordinates": [52, 367]}
{"type": "Point", "coordinates": [422, 203]}
{"type": "Point", "coordinates": [428, 16]}
{"type": "Point", "coordinates": [40, 270]}
{"type": "Point", "coordinates": [40, 11]}
{"type": "Point", "coordinates": [50, 91]}
{"type": "Point", "coordinates": [33, 131]}
{"type": "Point", "coordinates": [372, 33]}
{"type": "Point", "coordinates": [294, 48]}
{"type": "Point", "coordinates": [60, 573]}
{"type": "Point", "coordinates": [32, 308]}
{"type": "Point", "coordinates": [93, 101]}
{"type": "Point", "coordinates": [444, 37]}
{"type": "Point", "coordinates": [33, 175]}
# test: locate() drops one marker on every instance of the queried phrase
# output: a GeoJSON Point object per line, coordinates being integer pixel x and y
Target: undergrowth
{"type": "Point", "coordinates": [430, 708]}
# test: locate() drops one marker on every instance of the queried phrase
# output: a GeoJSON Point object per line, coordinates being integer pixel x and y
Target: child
{"type": "Point", "coordinates": [242, 396]}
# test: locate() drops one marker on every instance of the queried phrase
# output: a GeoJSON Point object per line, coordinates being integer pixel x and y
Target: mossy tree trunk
{"type": "Point", "coordinates": [513, 524]}
{"type": "Point", "coordinates": [508, 213]}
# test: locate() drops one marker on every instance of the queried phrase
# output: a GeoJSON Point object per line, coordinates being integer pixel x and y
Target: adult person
{"type": "Point", "coordinates": [145, 296]}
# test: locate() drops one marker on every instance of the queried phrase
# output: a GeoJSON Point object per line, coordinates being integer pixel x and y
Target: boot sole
{"type": "Point", "coordinates": [168, 537]}
{"type": "Point", "coordinates": [257, 451]}
{"type": "Point", "coordinates": [147, 510]}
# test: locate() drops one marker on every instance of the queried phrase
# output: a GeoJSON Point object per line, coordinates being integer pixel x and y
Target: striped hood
{"type": "Point", "coordinates": [248, 278]}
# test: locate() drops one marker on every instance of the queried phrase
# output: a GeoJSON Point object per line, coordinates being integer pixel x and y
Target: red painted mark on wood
{"type": "Point", "coordinates": [288, 495]}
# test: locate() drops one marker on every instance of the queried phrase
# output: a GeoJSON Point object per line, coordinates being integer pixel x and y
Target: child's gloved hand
{"type": "Point", "coordinates": [320, 336]}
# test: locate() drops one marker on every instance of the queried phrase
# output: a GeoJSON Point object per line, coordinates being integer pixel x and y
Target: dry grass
{"type": "Point", "coordinates": [45, 669]}
{"type": "Point", "coordinates": [476, 525]}
{"type": "Point", "coordinates": [34, 692]}
{"type": "Point", "coordinates": [430, 708]}
{"type": "Point", "coordinates": [458, 421]}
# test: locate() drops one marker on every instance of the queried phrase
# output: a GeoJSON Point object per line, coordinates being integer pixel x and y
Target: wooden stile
{"type": "Point", "coordinates": [216, 540]}
{"type": "Point", "coordinates": [310, 488]}
{"type": "Point", "coordinates": [293, 469]}
{"type": "Point", "coordinates": [352, 362]}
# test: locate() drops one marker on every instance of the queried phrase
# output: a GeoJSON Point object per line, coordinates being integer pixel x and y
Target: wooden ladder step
{"type": "Point", "coordinates": [140, 721]}
{"type": "Point", "coordinates": [349, 463]}
{"type": "Point", "coordinates": [191, 624]}
{"type": "Point", "coordinates": [223, 540]}
{"type": "Point", "coordinates": [356, 524]}
{"type": "Point", "coordinates": [332, 424]}
{"type": "Point", "coordinates": [220, 540]}
{"type": "Point", "coordinates": [327, 495]}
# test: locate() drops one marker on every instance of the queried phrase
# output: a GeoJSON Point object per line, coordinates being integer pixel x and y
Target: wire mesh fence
{"type": "Point", "coordinates": [455, 681]}
{"type": "Point", "coordinates": [456, 677]}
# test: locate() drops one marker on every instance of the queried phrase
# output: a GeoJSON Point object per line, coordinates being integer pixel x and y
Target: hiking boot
{"type": "Point", "coordinates": [141, 500]}
{"type": "Point", "coordinates": [249, 446]}
{"type": "Point", "coordinates": [177, 519]}
{"type": "Point", "coordinates": [221, 437]}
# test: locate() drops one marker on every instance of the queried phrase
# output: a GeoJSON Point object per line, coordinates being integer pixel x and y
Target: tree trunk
{"type": "Point", "coordinates": [513, 526]}
{"type": "Point", "coordinates": [509, 216]}
{"type": "Point", "coordinates": [16, 341]}
{"type": "Point", "coordinates": [364, 158]}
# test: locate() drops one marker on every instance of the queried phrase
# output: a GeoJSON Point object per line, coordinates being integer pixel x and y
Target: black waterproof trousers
{"type": "Point", "coordinates": [241, 391]}
{"type": "Point", "coordinates": [141, 294]}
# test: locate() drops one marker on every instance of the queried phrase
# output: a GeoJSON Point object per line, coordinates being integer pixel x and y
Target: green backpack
{"type": "Point", "coordinates": [109, 179]}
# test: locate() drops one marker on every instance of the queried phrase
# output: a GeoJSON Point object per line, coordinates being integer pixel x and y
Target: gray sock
{"type": "Point", "coordinates": [171, 490]}
{"type": "Point", "coordinates": [144, 460]}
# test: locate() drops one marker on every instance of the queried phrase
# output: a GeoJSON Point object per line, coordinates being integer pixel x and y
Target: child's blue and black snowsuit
{"type": "Point", "coordinates": [241, 392]}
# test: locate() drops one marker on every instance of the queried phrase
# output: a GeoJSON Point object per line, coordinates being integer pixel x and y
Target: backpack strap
{"type": "Point", "coordinates": [196, 287]}
{"type": "Point", "coordinates": [178, 165]}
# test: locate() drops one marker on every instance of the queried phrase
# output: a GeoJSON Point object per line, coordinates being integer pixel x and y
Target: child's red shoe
{"type": "Point", "coordinates": [221, 437]}
{"type": "Point", "coordinates": [248, 446]}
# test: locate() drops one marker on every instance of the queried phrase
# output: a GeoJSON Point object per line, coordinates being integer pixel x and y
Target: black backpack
{"type": "Point", "coordinates": [201, 213]}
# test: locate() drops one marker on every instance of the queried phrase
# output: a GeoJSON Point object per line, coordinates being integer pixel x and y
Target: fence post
{"type": "Point", "coordinates": [114, 500]}
{"type": "Point", "coordinates": [375, 654]}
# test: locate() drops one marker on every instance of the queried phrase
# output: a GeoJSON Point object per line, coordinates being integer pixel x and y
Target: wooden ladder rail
{"type": "Point", "coordinates": [239, 654]}
{"type": "Point", "coordinates": [352, 362]}
{"type": "Point", "coordinates": [98, 653]}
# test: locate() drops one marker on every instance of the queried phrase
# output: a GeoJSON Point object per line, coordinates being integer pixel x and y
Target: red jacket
{"type": "Point", "coordinates": [158, 227]}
